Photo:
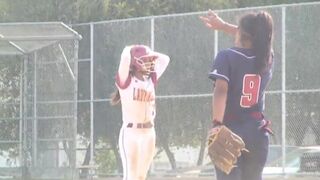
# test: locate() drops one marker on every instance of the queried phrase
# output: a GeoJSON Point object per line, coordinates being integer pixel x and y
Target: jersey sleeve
{"type": "Point", "coordinates": [220, 67]}
{"type": "Point", "coordinates": [161, 64]}
{"type": "Point", "coordinates": [123, 78]}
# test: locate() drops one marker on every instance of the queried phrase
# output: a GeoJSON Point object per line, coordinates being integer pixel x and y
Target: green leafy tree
{"type": "Point", "coordinates": [38, 10]}
{"type": "Point", "coordinates": [77, 11]}
{"type": "Point", "coordinates": [9, 103]}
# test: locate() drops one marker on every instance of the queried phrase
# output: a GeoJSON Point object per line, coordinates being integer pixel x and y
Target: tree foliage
{"type": "Point", "coordinates": [183, 131]}
{"type": "Point", "coordinates": [77, 11]}
{"type": "Point", "coordinates": [9, 105]}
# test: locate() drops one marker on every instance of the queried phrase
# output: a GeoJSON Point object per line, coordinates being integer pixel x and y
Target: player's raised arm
{"type": "Point", "coordinates": [124, 66]}
{"type": "Point", "coordinates": [161, 63]}
{"type": "Point", "coordinates": [213, 21]}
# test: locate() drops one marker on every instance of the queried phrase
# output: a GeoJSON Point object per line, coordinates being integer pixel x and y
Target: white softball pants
{"type": "Point", "coordinates": [137, 149]}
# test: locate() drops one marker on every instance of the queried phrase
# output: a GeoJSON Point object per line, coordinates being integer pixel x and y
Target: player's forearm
{"type": "Point", "coordinates": [230, 28]}
{"type": "Point", "coordinates": [162, 63]}
{"type": "Point", "coordinates": [218, 106]}
{"type": "Point", "coordinates": [124, 65]}
{"type": "Point", "coordinates": [219, 100]}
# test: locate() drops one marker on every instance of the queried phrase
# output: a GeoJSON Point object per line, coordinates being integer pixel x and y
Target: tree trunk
{"type": "Point", "coordinates": [85, 171]}
{"type": "Point", "coordinates": [170, 156]}
{"type": "Point", "coordinates": [88, 155]}
{"type": "Point", "coordinates": [163, 141]}
{"type": "Point", "coordinates": [201, 151]}
{"type": "Point", "coordinates": [203, 141]}
{"type": "Point", "coordinates": [69, 153]}
{"type": "Point", "coordinates": [116, 153]}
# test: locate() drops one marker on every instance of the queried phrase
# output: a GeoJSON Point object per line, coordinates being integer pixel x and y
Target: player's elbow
{"type": "Point", "coordinates": [163, 58]}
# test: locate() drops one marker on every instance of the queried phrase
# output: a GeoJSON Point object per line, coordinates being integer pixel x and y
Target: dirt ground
{"type": "Point", "coordinates": [296, 177]}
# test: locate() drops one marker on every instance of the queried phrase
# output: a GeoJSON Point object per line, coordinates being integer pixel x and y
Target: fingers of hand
{"type": "Point", "coordinates": [208, 25]}
{"type": "Point", "coordinates": [209, 16]}
{"type": "Point", "coordinates": [214, 131]}
{"type": "Point", "coordinates": [212, 13]}
{"type": "Point", "coordinates": [204, 19]}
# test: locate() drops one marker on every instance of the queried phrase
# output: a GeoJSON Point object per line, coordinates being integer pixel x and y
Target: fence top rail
{"type": "Point", "coordinates": [197, 13]}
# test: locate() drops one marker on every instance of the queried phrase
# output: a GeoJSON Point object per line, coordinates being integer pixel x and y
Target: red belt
{"type": "Point", "coordinates": [140, 125]}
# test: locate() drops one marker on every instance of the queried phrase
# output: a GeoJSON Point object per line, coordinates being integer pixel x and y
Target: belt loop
{"type": "Point", "coordinates": [130, 125]}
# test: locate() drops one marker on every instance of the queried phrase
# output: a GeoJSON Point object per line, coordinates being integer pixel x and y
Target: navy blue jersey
{"type": "Point", "coordinates": [245, 87]}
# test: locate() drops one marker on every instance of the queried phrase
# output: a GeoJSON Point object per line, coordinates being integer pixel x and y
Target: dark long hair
{"type": "Point", "coordinates": [115, 95]}
{"type": "Point", "coordinates": [115, 98]}
{"type": "Point", "coordinates": [258, 27]}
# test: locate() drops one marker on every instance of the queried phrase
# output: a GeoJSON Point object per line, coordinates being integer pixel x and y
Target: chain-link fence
{"type": "Point", "coordinates": [39, 116]}
{"type": "Point", "coordinates": [38, 108]}
{"type": "Point", "coordinates": [184, 91]}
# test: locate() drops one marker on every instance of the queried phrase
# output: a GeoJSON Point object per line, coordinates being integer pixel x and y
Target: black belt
{"type": "Point", "coordinates": [140, 125]}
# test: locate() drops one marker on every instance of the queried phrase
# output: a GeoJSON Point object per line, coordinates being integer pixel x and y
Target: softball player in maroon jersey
{"type": "Point", "coordinates": [138, 73]}
{"type": "Point", "coordinates": [241, 74]}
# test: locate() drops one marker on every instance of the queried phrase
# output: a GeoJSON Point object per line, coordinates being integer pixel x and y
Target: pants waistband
{"type": "Point", "coordinates": [140, 125]}
{"type": "Point", "coordinates": [255, 115]}
{"type": "Point", "coordinates": [265, 123]}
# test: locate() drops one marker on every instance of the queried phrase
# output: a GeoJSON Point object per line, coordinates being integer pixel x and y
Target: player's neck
{"type": "Point", "coordinates": [140, 76]}
{"type": "Point", "coordinates": [244, 45]}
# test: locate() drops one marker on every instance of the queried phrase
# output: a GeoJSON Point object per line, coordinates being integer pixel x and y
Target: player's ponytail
{"type": "Point", "coordinates": [262, 41]}
{"type": "Point", "coordinates": [115, 98]}
{"type": "Point", "coordinates": [258, 28]}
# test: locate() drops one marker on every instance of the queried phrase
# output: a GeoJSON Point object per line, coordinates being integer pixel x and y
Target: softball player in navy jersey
{"type": "Point", "coordinates": [138, 73]}
{"type": "Point", "coordinates": [241, 75]}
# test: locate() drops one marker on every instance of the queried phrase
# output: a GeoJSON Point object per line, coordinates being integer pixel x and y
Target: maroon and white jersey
{"type": "Point", "coordinates": [138, 96]}
{"type": "Point", "coordinates": [137, 100]}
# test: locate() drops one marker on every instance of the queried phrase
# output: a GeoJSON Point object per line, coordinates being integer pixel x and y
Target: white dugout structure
{"type": "Point", "coordinates": [86, 76]}
{"type": "Point", "coordinates": [38, 102]}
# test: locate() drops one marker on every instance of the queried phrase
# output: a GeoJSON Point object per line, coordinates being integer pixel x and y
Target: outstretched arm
{"type": "Point", "coordinates": [213, 21]}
